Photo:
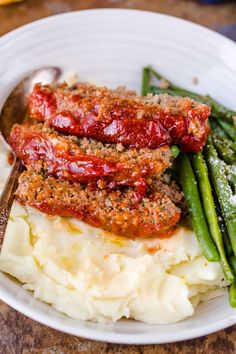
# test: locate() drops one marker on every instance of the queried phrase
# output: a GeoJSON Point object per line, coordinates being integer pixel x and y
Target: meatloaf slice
{"type": "Point", "coordinates": [86, 160]}
{"type": "Point", "coordinates": [113, 116]}
{"type": "Point", "coordinates": [155, 215]}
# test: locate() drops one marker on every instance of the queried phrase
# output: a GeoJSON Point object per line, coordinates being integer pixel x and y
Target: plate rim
{"type": "Point", "coordinates": [88, 333]}
{"type": "Point", "coordinates": [115, 338]}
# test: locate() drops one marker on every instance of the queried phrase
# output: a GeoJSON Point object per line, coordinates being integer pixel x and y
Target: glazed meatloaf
{"type": "Point", "coordinates": [85, 160]}
{"type": "Point", "coordinates": [113, 116]}
{"type": "Point", "coordinates": [100, 155]}
{"type": "Point", "coordinates": [156, 214]}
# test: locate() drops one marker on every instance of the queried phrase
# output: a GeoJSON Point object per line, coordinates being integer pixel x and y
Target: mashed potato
{"type": "Point", "coordinates": [90, 274]}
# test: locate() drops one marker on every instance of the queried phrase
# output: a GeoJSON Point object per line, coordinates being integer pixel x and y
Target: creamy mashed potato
{"type": "Point", "coordinates": [90, 274]}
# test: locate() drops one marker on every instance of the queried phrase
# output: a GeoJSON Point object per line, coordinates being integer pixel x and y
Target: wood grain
{"type": "Point", "coordinates": [16, 15]}
{"type": "Point", "coordinates": [19, 334]}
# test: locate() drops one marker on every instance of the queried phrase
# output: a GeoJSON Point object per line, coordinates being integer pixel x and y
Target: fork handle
{"type": "Point", "coordinates": [7, 196]}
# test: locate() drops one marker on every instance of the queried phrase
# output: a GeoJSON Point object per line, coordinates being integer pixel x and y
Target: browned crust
{"type": "Point", "coordinates": [155, 215]}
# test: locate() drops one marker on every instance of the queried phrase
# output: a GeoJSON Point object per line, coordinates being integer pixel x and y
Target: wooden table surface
{"type": "Point", "coordinates": [19, 334]}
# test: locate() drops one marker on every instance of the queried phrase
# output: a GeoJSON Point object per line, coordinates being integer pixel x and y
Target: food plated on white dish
{"type": "Point", "coordinates": [110, 219]}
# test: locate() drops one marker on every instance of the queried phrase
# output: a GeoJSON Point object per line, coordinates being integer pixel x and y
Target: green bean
{"type": "Point", "coordinates": [201, 173]}
{"type": "Point", "coordinates": [231, 175]}
{"type": "Point", "coordinates": [224, 232]}
{"type": "Point", "coordinates": [224, 147]}
{"type": "Point", "coordinates": [189, 185]}
{"type": "Point", "coordinates": [156, 74]}
{"type": "Point", "coordinates": [222, 189]}
{"type": "Point", "coordinates": [229, 143]}
{"type": "Point", "coordinates": [232, 261]}
{"type": "Point", "coordinates": [146, 81]}
{"type": "Point", "coordinates": [232, 289]}
{"type": "Point", "coordinates": [159, 77]}
{"type": "Point", "coordinates": [228, 128]}
{"type": "Point", "coordinates": [223, 229]}
{"type": "Point", "coordinates": [175, 151]}
{"type": "Point", "coordinates": [216, 128]}
{"type": "Point", "coordinates": [219, 110]}
{"type": "Point", "coordinates": [232, 294]}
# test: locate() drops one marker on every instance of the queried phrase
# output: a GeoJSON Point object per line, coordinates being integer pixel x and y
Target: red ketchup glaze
{"type": "Point", "coordinates": [132, 133]}
{"type": "Point", "coordinates": [59, 162]}
{"type": "Point", "coordinates": [119, 121]}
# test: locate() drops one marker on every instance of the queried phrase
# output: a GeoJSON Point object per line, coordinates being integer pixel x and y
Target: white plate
{"type": "Point", "coordinates": [111, 47]}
